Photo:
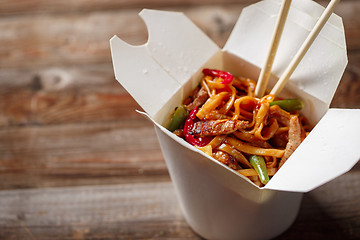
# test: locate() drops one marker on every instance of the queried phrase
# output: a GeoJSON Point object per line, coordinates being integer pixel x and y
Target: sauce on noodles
{"type": "Point", "coordinates": [253, 136]}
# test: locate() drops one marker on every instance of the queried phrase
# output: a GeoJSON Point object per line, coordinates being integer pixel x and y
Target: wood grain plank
{"type": "Point", "coordinates": [107, 212]}
{"type": "Point", "coordinates": [55, 95]}
{"type": "Point", "coordinates": [10, 7]}
{"type": "Point", "coordinates": [33, 41]}
{"type": "Point", "coordinates": [79, 105]}
{"type": "Point", "coordinates": [151, 210]}
{"type": "Point", "coordinates": [59, 77]}
{"type": "Point", "coordinates": [331, 211]}
{"type": "Point", "coordinates": [70, 154]}
{"type": "Point", "coordinates": [58, 6]}
{"type": "Point", "coordinates": [74, 38]}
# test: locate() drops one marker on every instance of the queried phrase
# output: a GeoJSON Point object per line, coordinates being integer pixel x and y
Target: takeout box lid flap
{"type": "Point", "coordinates": [331, 149]}
{"type": "Point", "coordinates": [321, 69]}
{"type": "Point", "coordinates": [176, 43]}
{"type": "Point", "coordinates": [152, 73]}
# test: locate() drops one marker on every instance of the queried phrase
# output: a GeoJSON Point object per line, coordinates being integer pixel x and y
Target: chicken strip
{"type": "Point", "coordinates": [226, 159]}
{"type": "Point", "coordinates": [294, 138]}
{"type": "Point", "coordinates": [200, 98]}
{"type": "Point", "coordinates": [217, 127]}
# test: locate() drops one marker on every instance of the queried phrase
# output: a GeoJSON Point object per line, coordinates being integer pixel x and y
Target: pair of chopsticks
{"type": "Point", "coordinates": [266, 70]}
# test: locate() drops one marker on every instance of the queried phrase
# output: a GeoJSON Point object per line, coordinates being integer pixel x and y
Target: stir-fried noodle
{"type": "Point", "coordinates": [250, 135]}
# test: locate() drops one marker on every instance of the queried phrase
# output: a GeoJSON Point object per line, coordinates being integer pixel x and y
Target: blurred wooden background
{"type": "Point", "coordinates": [77, 161]}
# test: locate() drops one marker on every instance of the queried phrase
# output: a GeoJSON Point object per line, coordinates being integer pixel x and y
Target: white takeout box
{"type": "Point", "coordinates": [217, 202]}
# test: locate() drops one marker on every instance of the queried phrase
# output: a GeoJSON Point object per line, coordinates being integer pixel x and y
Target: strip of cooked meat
{"type": "Point", "coordinates": [216, 127]}
{"type": "Point", "coordinates": [294, 138]}
{"type": "Point", "coordinates": [200, 98]}
{"type": "Point", "coordinates": [226, 159]}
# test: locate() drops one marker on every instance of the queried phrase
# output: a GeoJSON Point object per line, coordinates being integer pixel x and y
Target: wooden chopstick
{"type": "Point", "coordinates": [266, 70]}
{"type": "Point", "coordinates": [304, 48]}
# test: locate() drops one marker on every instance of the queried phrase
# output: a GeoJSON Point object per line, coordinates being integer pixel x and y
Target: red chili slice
{"type": "Point", "coordinates": [226, 76]}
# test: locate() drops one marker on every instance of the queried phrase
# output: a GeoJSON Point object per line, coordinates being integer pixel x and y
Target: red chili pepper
{"type": "Point", "coordinates": [226, 76]}
{"type": "Point", "coordinates": [188, 126]}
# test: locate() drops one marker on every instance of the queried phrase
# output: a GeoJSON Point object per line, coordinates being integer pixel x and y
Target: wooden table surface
{"type": "Point", "coordinates": [77, 161]}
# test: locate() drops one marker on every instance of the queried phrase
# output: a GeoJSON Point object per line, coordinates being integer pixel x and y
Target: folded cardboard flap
{"type": "Point", "coordinates": [147, 82]}
{"type": "Point", "coordinates": [177, 44]}
{"type": "Point", "coordinates": [156, 72]}
{"type": "Point", "coordinates": [331, 149]}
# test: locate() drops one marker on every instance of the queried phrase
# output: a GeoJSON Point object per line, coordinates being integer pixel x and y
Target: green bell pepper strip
{"type": "Point", "coordinates": [289, 105]}
{"type": "Point", "coordinates": [178, 118]}
{"type": "Point", "coordinates": [259, 165]}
